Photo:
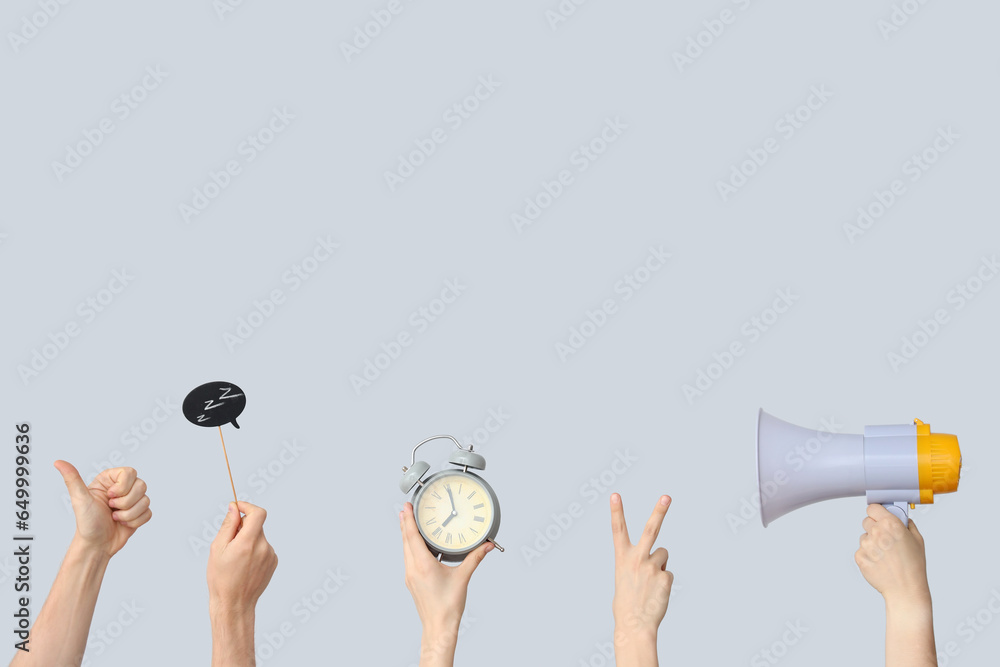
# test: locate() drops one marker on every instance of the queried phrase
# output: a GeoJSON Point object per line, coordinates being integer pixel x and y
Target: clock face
{"type": "Point", "coordinates": [455, 511]}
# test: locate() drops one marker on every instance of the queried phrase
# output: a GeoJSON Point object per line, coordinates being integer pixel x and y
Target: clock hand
{"type": "Point", "coordinates": [454, 512]}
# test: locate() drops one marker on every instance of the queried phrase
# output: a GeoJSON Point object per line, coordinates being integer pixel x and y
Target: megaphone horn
{"type": "Point", "coordinates": [896, 466]}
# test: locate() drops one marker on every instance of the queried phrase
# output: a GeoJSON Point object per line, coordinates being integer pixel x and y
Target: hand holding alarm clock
{"type": "Point", "coordinates": [439, 590]}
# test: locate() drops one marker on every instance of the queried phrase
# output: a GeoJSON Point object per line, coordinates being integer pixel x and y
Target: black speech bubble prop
{"type": "Point", "coordinates": [214, 404]}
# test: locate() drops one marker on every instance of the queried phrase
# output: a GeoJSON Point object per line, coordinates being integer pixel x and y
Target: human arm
{"type": "Point", "coordinates": [240, 565]}
{"type": "Point", "coordinates": [108, 512]}
{"type": "Point", "coordinates": [439, 592]}
{"type": "Point", "coordinates": [891, 558]}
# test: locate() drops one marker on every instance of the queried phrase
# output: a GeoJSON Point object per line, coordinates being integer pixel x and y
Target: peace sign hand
{"type": "Point", "coordinates": [642, 584]}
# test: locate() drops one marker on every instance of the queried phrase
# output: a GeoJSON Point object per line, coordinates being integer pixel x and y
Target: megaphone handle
{"type": "Point", "coordinates": [900, 510]}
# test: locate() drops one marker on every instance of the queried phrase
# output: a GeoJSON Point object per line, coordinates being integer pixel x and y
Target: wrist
{"type": "Point", "coordinates": [88, 551]}
{"type": "Point", "coordinates": [914, 605]}
{"type": "Point", "coordinates": [631, 636]}
{"type": "Point", "coordinates": [912, 594]}
{"type": "Point", "coordinates": [635, 647]}
{"type": "Point", "coordinates": [442, 630]}
{"type": "Point", "coordinates": [227, 612]}
{"type": "Point", "coordinates": [438, 643]}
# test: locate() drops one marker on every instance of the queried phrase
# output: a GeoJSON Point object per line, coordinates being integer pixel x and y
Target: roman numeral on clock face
{"type": "Point", "coordinates": [479, 506]}
{"type": "Point", "coordinates": [437, 531]}
{"type": "Point", "coordinates": [469, 497]}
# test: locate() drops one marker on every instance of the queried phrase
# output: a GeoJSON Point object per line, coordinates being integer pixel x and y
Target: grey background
{"type": "Point", "coordinates": [335, 506]}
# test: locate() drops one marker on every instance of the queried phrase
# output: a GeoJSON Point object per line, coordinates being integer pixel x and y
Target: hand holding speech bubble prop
{"type": "Point", "coordinates": [215, 404]}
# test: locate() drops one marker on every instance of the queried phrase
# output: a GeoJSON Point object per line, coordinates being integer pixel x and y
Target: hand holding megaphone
{"type": "Point", "coordinates": [891, 556]}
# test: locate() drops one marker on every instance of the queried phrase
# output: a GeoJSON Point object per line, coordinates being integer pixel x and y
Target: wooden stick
{"type": "Point", "coordinates": [230, 473]}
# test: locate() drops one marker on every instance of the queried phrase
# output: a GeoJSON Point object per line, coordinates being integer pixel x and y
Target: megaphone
{"type": "Point", "coordinates": [895, 466]}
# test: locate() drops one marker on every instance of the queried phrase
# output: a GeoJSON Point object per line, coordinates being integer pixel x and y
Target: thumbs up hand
{"type": "Point", "coordinates": [108, 511]}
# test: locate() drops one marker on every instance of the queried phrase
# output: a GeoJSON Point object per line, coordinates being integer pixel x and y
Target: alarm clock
{"type": "Point", "coordinates": [455, 510]}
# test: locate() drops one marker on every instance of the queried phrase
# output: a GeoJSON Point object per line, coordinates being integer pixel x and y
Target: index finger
{"type": "Point", "coordinates": [652, 529]}
{"type": "Point", "coordinates": [619, 531]}
{"type": "Point", "coordinates": [878, 513]}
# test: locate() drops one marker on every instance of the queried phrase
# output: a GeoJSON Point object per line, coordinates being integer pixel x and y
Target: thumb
{"type": "Point", "coordinates": [230, 526]}
{"type": "Point", "coordinates": [473, 560]}
{"type": "Point", "coordinates": [78, 492]}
